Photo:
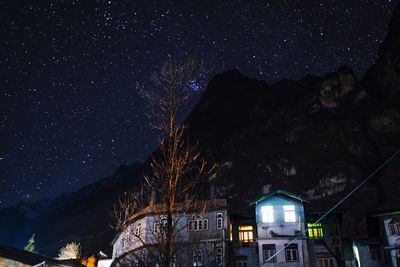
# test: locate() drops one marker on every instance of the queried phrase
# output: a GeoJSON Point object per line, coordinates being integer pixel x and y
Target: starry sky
{"type": "Point", "coordinates": [70, 110]}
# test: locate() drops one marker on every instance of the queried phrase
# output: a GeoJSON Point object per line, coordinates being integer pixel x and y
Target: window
{"type": "Point", "coordinates": [197, 257]}
{"type": "Point", "coordinates": [246, 233]}
{"type": "Point", "coordinates": [267, 214]}
{"type": "Point", "coordinates": [240, 264]}
{"type": "Point", "coordinates": [394, 228]}
{"type": "Point", "coordinates": [173, 262]}
{"type": "Point", "coordinates": [269, 250]}
{"type": "Point", "coordinates": [326, 262]}
{"type": "Point", "coordinates": [291, 253]}
{"type": "Point", "coordinates": [138, 228]}
{"type": "Point", "coordinates": [161, 225]}
{"type": "Point", "coordinates": [375, 251]}
{"type": "Point", "coordinates": [220, 220]}
{"type": "Point", "coordinates": [219, 255]}
{"type": "Point", "coordinates": [290, 215]}
{"type": "Point", "coordinates": [124, 244]}
{"type": "Point", "coordinates": [240, 261]}
{"type": "Point", "coordinates": [315, 230]}
{"type": "Point", "coordinates": [156, 228]}
{"type": "Point", "coordinates": [198, 224]}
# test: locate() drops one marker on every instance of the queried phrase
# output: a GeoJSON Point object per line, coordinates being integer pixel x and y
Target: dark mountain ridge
{"type": "Point", "coordinates": [319, 137]}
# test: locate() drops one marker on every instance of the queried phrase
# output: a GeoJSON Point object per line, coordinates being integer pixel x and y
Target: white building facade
{"type": "Point", "coordinates": [200, 237]}
{"type": "Point", "coordinates": [280, 227]}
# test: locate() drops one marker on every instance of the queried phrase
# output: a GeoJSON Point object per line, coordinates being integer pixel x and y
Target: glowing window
{"type": "Point", "coordinates": [267, 214]}
{"type": "Point", "coordinates": [290, 214]}
{"type": "Point", "coordinates": [246, 233]}
{"type": "Point", "coordinates": [315, 230]}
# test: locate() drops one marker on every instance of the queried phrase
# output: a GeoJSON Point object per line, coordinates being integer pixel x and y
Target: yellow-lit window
{"type": "Point", "coordinates": [246, 233]}
{"type": "Point", "coordinates": [315, 230]}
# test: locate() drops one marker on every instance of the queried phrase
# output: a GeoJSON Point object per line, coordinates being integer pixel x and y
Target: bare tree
{"type": "Point", "coordinates": [177, 168]}
{"type": "Point", "coordinates": [70, 251]}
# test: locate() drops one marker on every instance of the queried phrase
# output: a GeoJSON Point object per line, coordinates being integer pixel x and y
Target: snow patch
{"type": "Point", "coordinates": [328, 186]}
{"type": "Point", "coordinates": [290, 171]}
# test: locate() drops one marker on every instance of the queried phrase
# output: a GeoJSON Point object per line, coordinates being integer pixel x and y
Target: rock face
{"type": "Point", "coordinates": [383, 78]}
{"type": "Point", "coordinates": [319, 137]}
{"type": "Point", "coordinates": [314, 137]}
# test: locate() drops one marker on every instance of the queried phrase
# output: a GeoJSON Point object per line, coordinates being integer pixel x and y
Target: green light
{"type": "Point", "coordinates": [315, 230]}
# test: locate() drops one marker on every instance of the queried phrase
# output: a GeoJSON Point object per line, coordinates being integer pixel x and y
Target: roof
{"type": "Point", "coordinates": [203, 205]}
{"type": "Point", "coordinates": [21, 255]}
{"type": "Point", "coordinates": [384, 213]}
{"type": "Point", "coordinates": [280, 192]}
{"type": "Point", "coordinates": [30, 258]}
{"type": "Point", "coordinates": [180, 208]}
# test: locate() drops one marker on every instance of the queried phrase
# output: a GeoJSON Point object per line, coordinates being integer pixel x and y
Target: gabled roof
{"type": "Point", "coordinates": [280, 192]}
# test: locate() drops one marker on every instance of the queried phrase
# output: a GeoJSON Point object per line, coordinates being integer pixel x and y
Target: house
{"type": "Point", "coordinates": [13, 257]}
{"type": "Point", "coordinates": [200, 235]}
{"type": "Point", "coordinates": [368, 252]}
{"type": "Point", "coordinates": [389, 222]}
{"type": "Point", "coordinates": [280, 222]}
{"type": "Point", "coordinates": [324, 239]}
{"type": "Point", "coordinates": [281, 229]}
{"type": "Point", "coordinates": [244, 248]}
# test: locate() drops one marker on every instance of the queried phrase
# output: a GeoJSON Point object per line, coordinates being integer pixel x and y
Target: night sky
{"type": "Point", "coordinates": [70, 111]}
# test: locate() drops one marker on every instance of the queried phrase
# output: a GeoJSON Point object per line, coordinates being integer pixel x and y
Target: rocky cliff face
{"type": "Point", "coordinates": [319, 136]}
{"type": "Point", "coordinates": [314, 136]}
{"type": "Point", "coordinates": [383, 78]}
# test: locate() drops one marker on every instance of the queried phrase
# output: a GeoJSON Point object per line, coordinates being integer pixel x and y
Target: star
{"type": "Point", "coordinates": [72, 72]}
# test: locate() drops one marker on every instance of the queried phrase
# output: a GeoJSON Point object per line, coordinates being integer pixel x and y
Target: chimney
{"type": "Point", "coordinates": [153, 197]}
{"type": "Point", "coordinates": [212, 191]}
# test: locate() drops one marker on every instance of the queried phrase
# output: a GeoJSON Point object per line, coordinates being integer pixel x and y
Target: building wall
{"type": "Point", "coordinates": [317, 245]}
{"type": "Point", "coordinates": [392, 240]}
{"type": "Point", "coordinates": [11, 263]}
{"type": "Point", "coordinates": [279, 226]}
{"type": "Point", "coordinates": [206, 240]}
{"type": "Point", "coordinates": [127, 240]}
{"type": "Point", "coordinates": [365, 257]}
{"type": "Point", "coordinates": [245, 252]}
{"type": "Point", "coordinates": [280, 258]}
{"type": "Point", "coordinates": [280, 232]}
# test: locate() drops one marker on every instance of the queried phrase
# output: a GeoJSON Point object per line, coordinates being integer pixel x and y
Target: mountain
{"type": "Point", "coordinates": [83, 216]}
{"type": "Point", "coordinates": [318, 136]}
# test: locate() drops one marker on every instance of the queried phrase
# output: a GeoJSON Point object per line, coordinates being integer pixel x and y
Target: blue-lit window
{"type": "Point", "coordinates": [267, 214]}
{"type": "Point", "coordinates": [289, 213]}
